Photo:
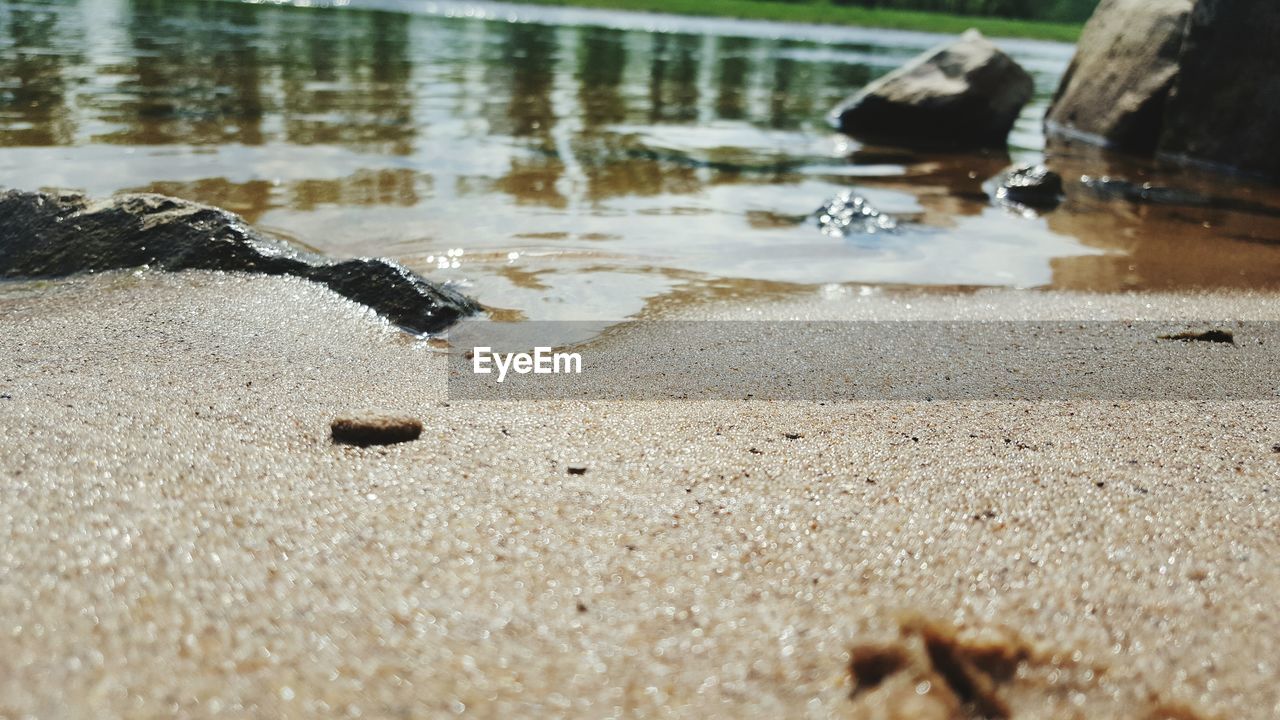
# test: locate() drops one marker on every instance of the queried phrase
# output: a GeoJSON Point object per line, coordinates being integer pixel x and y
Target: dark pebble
{"type": "Point", "coordinates": [1213, 336]}
{"type": "Point", "coordinates": [375, 430]}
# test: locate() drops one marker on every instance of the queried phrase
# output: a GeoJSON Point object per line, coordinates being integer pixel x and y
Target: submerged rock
{"type": "Point", "coordinates": [1145, 193]}
{"type": "Point", "coordinates": [850, 214]}
{"type": "Point", "coordinates": [45, 235]}
{"type": "Point", "coordinates": [1030, 186]}
{"type": "Point", "coordinates": [1109, 188]}
{"type": "Point", "coordinates": [964, 95]}
{"type": "Point", "coordinates": [1115, 90]}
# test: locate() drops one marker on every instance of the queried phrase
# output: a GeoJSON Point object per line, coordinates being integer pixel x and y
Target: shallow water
{"type": "Point", "coordinates": [570, 164]}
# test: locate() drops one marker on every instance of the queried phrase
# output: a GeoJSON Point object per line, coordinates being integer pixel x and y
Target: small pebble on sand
{"type": "Point", "coordinates": [375, 430]}
{"type": "Point", "coordinates": [1211, 336]}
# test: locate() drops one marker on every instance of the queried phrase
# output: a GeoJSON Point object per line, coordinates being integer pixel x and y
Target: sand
{"type": "Point", "coordinates": [182, 538]}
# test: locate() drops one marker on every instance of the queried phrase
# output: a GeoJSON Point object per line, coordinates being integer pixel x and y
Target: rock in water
{"type": "Point", "coordinates": [46, 235]}
{"type": "Point", "coordinates": [375, 430]}
{"type": "Point", "coordinates": [1115, 90]}
{"type": "Point", "coordinates": [1109, 188]}
{"type": "Point", "coordinates": [1031, 186]}
{"type": "Point", "coordinates": [1225, 106]}
{"type": "Point", "coordinates": [1192, 80]}
{"type": "Point", "coordinates": [963, 95]}
{"type": "Point", "coordinates": [849, 214]}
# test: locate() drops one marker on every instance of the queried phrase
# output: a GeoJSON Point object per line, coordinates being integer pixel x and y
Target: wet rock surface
{"type": "Point", "coordinates": [1115, 90]}
{"type": "Point", "coordinates": [963, 95]}
{"type": "Point", "coordinates": [46, 235]}
{"type": "Point", "coordinates": [1030, 186]}
{"type": "Point", "coordinates": [1148, 193]}
{"type": "Point", "coordinates": [849, 214]}
{"type": "Point", "coordinates": [1111, 188]}
{"type": "Point", "coordinates": [1189, 80]}
{"type": "Point", "coordinates": [1224, 108]}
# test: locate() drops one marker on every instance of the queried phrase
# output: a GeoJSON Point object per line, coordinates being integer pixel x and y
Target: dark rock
{"type": "Point", "coordinates": [1115, 90]}
{"type": "Point", "coordinates": [375, 430]}
{"type": "Point", "coordinates": [46, 235]}
{"type": "Point", "coordinates": [850, 214]}
{"type": "Point", "coordinates": [964, 95]}
{"type": "Point", "coordinates": [1209, 336]}
{"type": "Point", "coordinates": [1030, 186]}
{"type": "Point", "coordinates": [1188, 80]}
{"type": "Point", "coordinates": [1109, 188]}
{"type": "Point", "coordinates": [1146, 193]}
{"type": "Point", "coordinates": [1225, 106]}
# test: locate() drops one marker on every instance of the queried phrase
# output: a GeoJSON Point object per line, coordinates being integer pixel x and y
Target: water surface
{"type": "Point", "coordinates": [565, 163]}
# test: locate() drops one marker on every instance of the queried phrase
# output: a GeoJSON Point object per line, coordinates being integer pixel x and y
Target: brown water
{"type": "Point", "coordinates": [568, 164]}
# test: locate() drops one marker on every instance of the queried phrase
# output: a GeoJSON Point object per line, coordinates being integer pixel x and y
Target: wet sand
{"type": "Point", "coordinates": [182, 538]}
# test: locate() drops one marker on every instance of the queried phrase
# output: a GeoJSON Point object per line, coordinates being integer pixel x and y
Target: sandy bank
{"type": "Point", "coordinates": [180, 536]}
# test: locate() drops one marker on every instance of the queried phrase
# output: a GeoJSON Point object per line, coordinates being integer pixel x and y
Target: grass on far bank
{"type": "Point", "coordinates": [822, 11]}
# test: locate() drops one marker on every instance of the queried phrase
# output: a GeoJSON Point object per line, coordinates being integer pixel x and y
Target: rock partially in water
{"type": "Point", "coordinates": [1029, 186]}
{"type": "Point", "coordinates": [850, 214]}
{"type": "Point", "coordinates": [1109, 188]}
{"type": "Point", "coordinates": [1189, 80]}
{"type": "Point", "coordinates": [964, 95]}
{"type": "Point", "coordinates": [1146, 193]}
{"type": "Point", "coordinates": [45, 235]}
{"type": "Point", "coordinates": [1224, 109]}
{"type": "Point", "coordinates": [1115, 90]}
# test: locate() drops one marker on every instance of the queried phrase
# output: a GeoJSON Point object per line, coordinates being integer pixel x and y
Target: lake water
{"type": "Point", "coordinates": [568, 164]}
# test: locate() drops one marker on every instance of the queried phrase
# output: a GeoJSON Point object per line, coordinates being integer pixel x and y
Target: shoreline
{"type": "Point", "coordinates": [824, 13]}
{"type": "Point", "coordinates": [184, 537]}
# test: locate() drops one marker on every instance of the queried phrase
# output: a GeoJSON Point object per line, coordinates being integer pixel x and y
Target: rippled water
{"type": "Point", "coordinates": [563, 163]}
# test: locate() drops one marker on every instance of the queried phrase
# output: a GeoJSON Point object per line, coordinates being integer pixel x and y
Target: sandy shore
{"type": "Point", "coordinates": [182, 538]}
